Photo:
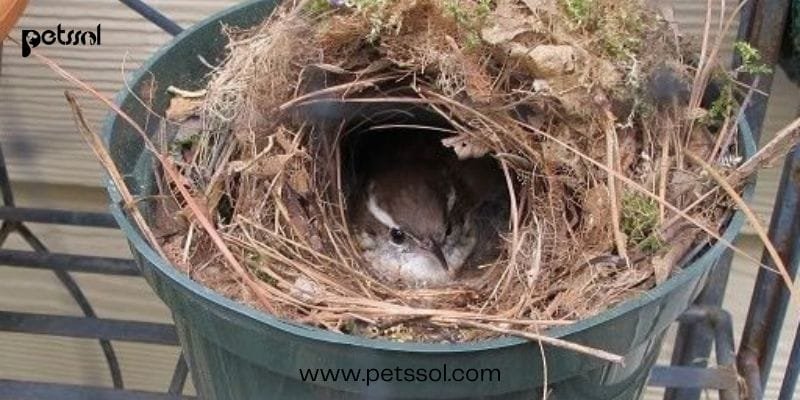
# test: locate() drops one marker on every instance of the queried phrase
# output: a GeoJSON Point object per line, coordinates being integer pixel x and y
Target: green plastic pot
{"type": "Point", "coordinates": [236, 352]}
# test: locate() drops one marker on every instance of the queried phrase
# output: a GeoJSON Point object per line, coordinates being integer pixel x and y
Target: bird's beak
{"type": "Point", "coordinates": [437, 252]}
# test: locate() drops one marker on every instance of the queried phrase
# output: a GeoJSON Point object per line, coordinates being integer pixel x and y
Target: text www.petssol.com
{"type": "Point", "coordinates": [397, 374]}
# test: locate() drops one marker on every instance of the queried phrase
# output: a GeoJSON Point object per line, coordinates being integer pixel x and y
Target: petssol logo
{"type": "Point", "coordinates": [32, 38]}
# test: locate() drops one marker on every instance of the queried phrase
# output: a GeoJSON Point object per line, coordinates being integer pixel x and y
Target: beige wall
{"type": "Point", "coordinates": [36, 127]}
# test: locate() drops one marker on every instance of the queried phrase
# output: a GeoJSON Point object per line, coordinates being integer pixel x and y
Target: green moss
{"type": "Point", "coordinates": [639, 222]}
{"type": "Point", "coordinates": [621, 31]}
{"type": "Point", "coordinates": [265, 277]}
{"type": "Point", "coordinates": [253, 260]}
{"type": "Point", "coordinates": [483, 10]}
{"type": "Point", "coordinates": [376, 12]}
{"type": "Point", "coordinates": [183, 144]}
{"type": "Point", "coordinates": [578, 10]}
{"type": "Point", "coordinates": [751, 59]}
{"type": "Point", "coordinates": [723, 105]}
{"type": "Point", "coordinates": [456, 11]}
{"type": "Point", "coordinates": [470, 18]}
{"type": "Point", "coordinates": [618, 27]}
{"type": "Point", "coordinates": [317, 7]}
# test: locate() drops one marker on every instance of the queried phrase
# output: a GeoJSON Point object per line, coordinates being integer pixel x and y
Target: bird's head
{"type": "Point", "coordinates": [405, 224]}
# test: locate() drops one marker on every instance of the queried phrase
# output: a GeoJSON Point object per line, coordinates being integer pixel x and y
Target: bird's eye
{"type": "Point", "coordinates": [398, 236]}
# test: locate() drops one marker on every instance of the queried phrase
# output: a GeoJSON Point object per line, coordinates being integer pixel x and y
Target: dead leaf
{"type": "Point", "coordinates": [465, 147]}
{"type": "Point", "coordinates": [503, 33]}
{"type": "Point", "coordinates": [182, 108]}
{"type": "Point", "coordinates": [681, 183]}
{"type": "Point", "coordinates": [546, 61]}
{"type": "Point", "coordinates": [697, 113]}
{"type": "Point", "coordinates": [701, 142]}
{"type": "Point", "coordinates": [306, 290]}
{"type": "Point", "coordinates": [300, 181]}
{"type": "Point", "coordinates": [506, 22]}
{"type": "Point", "coordinates": [271, 166]}
{"type": "Point", "coordinates": [661, 269]}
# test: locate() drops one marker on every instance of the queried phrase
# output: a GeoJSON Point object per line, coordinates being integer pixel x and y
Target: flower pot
{"type": "Point", "coordinates": [236, 352]}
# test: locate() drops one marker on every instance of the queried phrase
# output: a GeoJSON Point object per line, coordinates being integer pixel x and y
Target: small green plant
{"type": "Point", "coordinates": [470, 19]}
{"type": "Point", "coordinates": [578, 10]}
{"type": "Point", "coordinates": [253, 261]}
{"type": "Point", "coordinates": [454, 8]}
{"type": "Point", "coordinates": [185, 143]}
{"type": "Point", "coordinates": [722, 106]}
{"type": "Point", "coordinates": [317, 7]}
{"type": "Point", "coordinates": [639, 222]}
{"type": "Point", "coordinates": [620, 46]}
{"type": "Point", "coordinates": [473, 40]}
{"type": "Point", "coordinates": [483, 10]}
{"type": "Point", "coordinates": [620, 29]}
{"type": "Point", "coordinates": [375, 11]}
{"type": "Point", "coordinates": [751, 59]}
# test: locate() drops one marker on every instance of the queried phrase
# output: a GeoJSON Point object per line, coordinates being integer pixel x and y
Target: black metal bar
{"type": "Point", "coordinates": [747, 363]}
{"type": "Point", "coordinates": [66, 279]}
{"type": "Point", "coordinates": [5, 183]}
{"type": "Point", "coordinates": [154, 16]}
{"type": "Point", "coordinates": [179, 376]}
{"type": "Point", "coordinates": [17, 390]}
{"type": "Point", "coordinates": [762, 24]}
{"type": "Point", "coordinates": [694, 340]}
{"type": "Point", "coordinates": [60, 217]}
{"type": "Point", "coordinates": [81, 300]}
{"type": "Point", "coordinates": [700, 378]}
{"type": "Point", "coordinates": [13, 219]}
{"type": "Point", "coordinates": [91, 328]}
{"type": "Point", "coordinates": [69, 262]}
{"type": "Point", "coordinates": [792, 370]}
{"type": "Point", "coordinates": [719, 323]}
{"type": "Point", "coordinates": [6, 228]}
{"type": "Point", "coordinates": [770, 299]}
{"type": "Point", "coordinates": [722, 324]}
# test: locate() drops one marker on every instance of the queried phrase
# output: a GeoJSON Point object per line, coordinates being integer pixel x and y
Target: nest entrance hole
{"type": "Point", "coordinates": [403, 136]}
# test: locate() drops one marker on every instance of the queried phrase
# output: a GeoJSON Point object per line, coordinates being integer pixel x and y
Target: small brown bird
{"type": "Point", "coordinates": [407, 227]}
{"type": "Point", "coordinates": [419, 214]}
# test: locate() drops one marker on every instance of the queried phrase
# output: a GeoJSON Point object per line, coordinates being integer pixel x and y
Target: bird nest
{"type": "Point", "coordinates": [593, 115]}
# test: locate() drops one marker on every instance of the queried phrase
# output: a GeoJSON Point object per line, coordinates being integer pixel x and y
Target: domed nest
{"type": "Point", "coordinates": [448, 170]}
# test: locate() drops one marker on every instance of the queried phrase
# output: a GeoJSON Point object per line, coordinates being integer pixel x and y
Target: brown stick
{"type": "Point", "coordinates": [663, 176]}
{"type": "Point", "coordinates": [639, 188]}
{"type": "Point", "coordinates": [778, 146]}
{"type": "Point", "coordinates": [99, 149]}
{"type": "Point", "coordinates": [578, 348]}
{"type": "Point", "coordinates": [753, 219]}
{"type": "Point", "coordinates": [176, 178]}
{"type": "Point", "coordinates": [619, 237]}
{"type": "Point", "coordinates": [785, 138]}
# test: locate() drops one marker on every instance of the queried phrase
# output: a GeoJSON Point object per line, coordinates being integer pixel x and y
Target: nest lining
{"type": "Point", "coordinates": [556, 95]}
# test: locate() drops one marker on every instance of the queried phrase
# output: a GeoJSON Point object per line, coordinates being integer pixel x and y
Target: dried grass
{"type": "Point", "coordinates": [271, 176]}
{"type": "Point", "coordinates": [256, 198]}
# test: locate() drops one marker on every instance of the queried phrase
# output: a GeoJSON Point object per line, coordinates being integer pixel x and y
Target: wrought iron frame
{"type": "Point", "coordinates": [700, 326]}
